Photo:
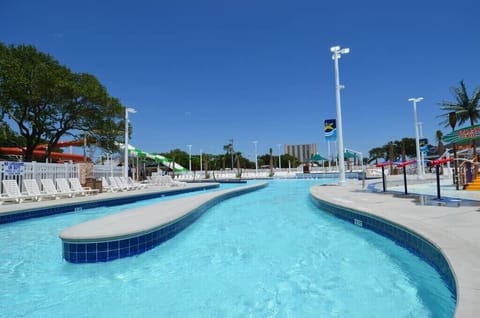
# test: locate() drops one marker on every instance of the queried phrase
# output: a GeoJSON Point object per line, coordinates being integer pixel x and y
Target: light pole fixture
{"type": "Point", "coordinates": [125, 164]}
{"type": "Point", "coordinates": [279, 157]}
{"type": "Point", "coordinates": [189, 157]}
{"type": "Point", "coordinates": [337, 53]}
{"type": "Point", "coordinates": [256, 157]}
{"type": "Point", "coordinates": [417, 137]}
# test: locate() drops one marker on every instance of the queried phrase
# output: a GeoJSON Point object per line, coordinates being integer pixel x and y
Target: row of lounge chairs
{"type": "Point", "coordinates": [64, 188]}
{"type": "Point", "coordinates": [114, 184]}
{"type": "Point", "coordinates": [71, 187]}
{"type": "Point", "coordinates": [120, 184]}
{"type": "Point", "coordinates": [164, 181]}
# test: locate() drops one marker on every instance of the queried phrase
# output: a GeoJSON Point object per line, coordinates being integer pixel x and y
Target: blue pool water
{"type": "Point", "coordinates": [269, 253]}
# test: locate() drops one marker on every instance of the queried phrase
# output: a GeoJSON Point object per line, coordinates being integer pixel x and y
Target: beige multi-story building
{"type": "Point", "coordinates": [301, 152]}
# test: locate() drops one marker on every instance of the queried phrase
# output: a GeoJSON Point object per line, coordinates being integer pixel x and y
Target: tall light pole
{"type": "Point", "coordinates": [337, 53]}
{"type": "Point", "coordinates": [125, 164]}
{"type": "Point", "coordinates": [256, 157]}
{"type": "Point", "coordinates": [279, 157]}
{"type": "Point", "coordinates": [189, 157]}
{"type": "Point", "coordinates": [417, 138]}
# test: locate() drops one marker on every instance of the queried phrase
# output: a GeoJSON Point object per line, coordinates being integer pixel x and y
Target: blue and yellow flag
{"type": "Point", "coordinates": [330, 130]}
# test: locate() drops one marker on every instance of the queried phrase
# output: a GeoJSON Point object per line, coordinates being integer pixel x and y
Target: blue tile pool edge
{"type": "Point", "coordinates": [402, 236]}
{"type": "Point", "coordinates": [109, 250]}
{"type": "Point", "coordinates": [70, 207]}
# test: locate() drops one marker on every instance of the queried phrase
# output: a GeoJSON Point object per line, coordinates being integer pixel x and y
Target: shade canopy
{"type": "Point", "coordinates": [348, 154]}
{"type": "Point", "coordinates": [317, 157]}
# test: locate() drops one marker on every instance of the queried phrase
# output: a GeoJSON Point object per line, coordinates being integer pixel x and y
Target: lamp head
{"type": "Point", "coordinates": [131, 110]}
{"type": "Point", "coordinates": [345, 50]}
{"type": "Point", "coordinates": [415, 100]}
{"type": "Point", "coordinates": [334, 49]}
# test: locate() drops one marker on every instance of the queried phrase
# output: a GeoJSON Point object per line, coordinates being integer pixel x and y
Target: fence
{"type": "Point", "coordinates": [100, 171]}
{"type": "Point", "coordinates": [36, 170]}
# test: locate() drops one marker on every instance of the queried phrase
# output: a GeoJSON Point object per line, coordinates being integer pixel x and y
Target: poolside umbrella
{"type": "Point", "coordinates": [317, 157]}
{"type": "Point", "coordinates": [349, 154]}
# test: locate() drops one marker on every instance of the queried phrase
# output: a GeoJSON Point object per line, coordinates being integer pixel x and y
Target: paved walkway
{"type": "Point", "coordinates": [452, 227]}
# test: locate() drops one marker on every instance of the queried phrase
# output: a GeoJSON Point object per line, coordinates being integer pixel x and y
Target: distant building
{"type": "Point", "coordinates": [301, 152]}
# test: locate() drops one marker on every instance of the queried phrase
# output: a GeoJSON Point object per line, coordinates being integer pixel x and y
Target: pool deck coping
{"type": "Point", "coordinates": [455, 230]}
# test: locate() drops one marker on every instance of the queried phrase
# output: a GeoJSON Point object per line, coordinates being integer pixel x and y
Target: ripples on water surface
{"type": "Point", "coordinates": [270, 253]}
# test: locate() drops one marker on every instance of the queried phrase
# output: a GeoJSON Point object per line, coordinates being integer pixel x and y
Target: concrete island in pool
{"type": "Point", "coordinates": [140, 229]}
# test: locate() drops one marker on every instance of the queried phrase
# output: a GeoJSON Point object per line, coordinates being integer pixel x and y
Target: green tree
{"type": "Point", "coordinates": [229, 151]}
{"type": "Point", "coordinates": [466, 108]}
{"type": "Point", "coordinates": [9, 138]}
{"type": "Point", "coordinates": [394, 150]}
{"type": "Point", "coordinates": [179, 156]}
{"type": "Point", "coordinates": [376, 153]}
{"type": "Point", "coordinates": [47, 101]}
{"type": "Point", "coordinates": [440, 146]}
{"type": "Point", "coordinates": [270, 151]}
{"type": "Point", "coordinates": [294, 162]}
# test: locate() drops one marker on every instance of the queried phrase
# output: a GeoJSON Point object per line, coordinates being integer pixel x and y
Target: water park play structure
{"type": "Point", "coordinates": [156, 157]}
{"type": "Point", "coordinates": [39, 152]}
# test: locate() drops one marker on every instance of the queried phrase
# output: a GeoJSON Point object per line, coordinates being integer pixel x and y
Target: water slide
{"type": "Point", "coordinates": [158, 158]}
{"type": "Point", "coordinates": [39, 152]}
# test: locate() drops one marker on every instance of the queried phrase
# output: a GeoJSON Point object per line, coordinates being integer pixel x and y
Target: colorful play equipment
{"type": "Point", "coordinates": [157, 158]}
{"type": "Point", "coordinates": [39, 151]}
{"type": "Point", "coordinates": [437, 163]}
{"type": "Point", "coordinates": [383, 165]}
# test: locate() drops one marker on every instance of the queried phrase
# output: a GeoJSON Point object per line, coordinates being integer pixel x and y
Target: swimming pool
{"type": "Point", "coordinates": [270, 253]}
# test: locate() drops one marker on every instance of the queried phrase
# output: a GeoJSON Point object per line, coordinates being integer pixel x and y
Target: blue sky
{"type": "Point", "coordinates": [204, 72]}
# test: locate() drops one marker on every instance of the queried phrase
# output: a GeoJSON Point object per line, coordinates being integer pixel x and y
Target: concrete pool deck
{"type": "Point", "coordinates": [454, 229]}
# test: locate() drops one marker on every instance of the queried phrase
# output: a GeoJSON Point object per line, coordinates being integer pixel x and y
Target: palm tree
{"type": "Point", "coordinates": [229, 150]}
{"type": "Point", "coordinates": [466, 109]}
{"type": "Point", "coordinates": [440, 146]}
{"type": "Point", "coordinates": [238, 156]}
{"type": "Point", "coordinates": [270, 150]}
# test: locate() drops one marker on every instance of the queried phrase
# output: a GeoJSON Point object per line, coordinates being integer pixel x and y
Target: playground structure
{"type": "Point", "coordinates": [40, 152]}
{"type": "Point", "coordinates": [155, 157]}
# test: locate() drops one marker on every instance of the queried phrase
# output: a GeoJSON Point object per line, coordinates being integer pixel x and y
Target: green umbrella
{"type": "Point", "coordinates": [348, 154]}
{"type": "Point", "coordinates": [317, 157]}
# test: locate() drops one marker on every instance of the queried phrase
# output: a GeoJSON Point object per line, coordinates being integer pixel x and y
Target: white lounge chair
{"type": "Point", "coordinates": [108, 187]}
{"type": "Point", "coordinates": [168, 180]}
{"type": "Point", "coordinates": [64, 188]}
{"type": "Point", "coordinates": [76, 186]}
{"type": "Point", "coordinates": [49, 187]}
{"type": "Point", "coordinates": [12, 192]}
{"type": "Point", "coordinates": [120, 182]}
{"type": "Point", "coordinates": [136, 184]}
{"type": "Point", "coordinates": [116, 181]}
{"type": "Point", "coordinates": [32, 188]}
